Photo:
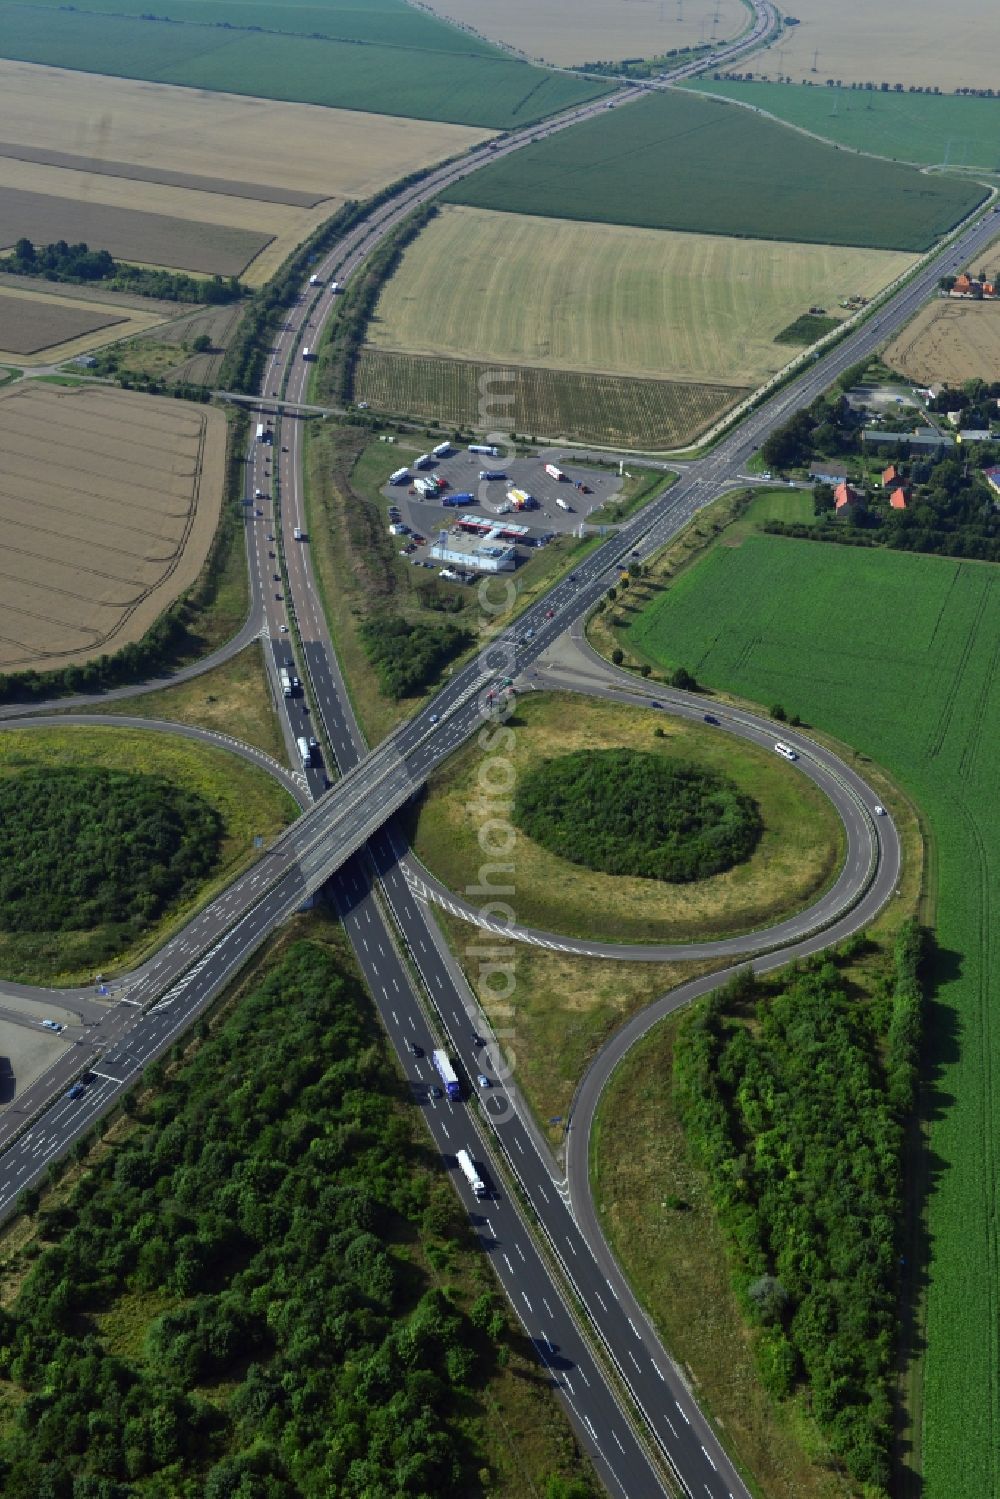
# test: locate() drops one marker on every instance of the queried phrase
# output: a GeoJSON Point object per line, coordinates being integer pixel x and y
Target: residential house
{"type": "Point", "coordinates": [898, 498]}
{"type": "Point", "coordinates": [846, 498]}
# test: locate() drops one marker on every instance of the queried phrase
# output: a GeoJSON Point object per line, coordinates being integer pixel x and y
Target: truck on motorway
{"type": "Point", "coordinates": [467, 1166]}
{"type": "Point", "coordinates": [334, 288]}
{"type": "Point", "coordinates": [483, 447]}
{"type": "Point", "coordinates": [298, 534]}
{"type": "Point", "coordinates": [315, 280]}
{"type": "Point", "coordinates": [284, 677]}
{"type": "Point", "coordinates": [563, 504]}
{"type": "Point", "coordinates": [400, 476]}
{"type": "Point", "coordinates": [305, 751]}
{"type": "Point", "coordinates": [492, 473]}
{"type": "Point", "coordinates": [260, 432]}
{"type": "Point", "coordinates": [307, 353]}
{"type": "Point", "coordinates": [446, 1073]}
{"type": "Point", "coordinates": [554, 473]}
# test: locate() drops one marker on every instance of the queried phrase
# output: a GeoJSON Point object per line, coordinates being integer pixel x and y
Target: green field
{"type": "Point", "coordinates": [398, 62]}
{"type": "Point", "coordinates": [677, 161]}
{"type": "Point", "coordinates": [609, 409]}
{"type": "Point", "coordinates": [898, 655]}
{"type": "Point", "coordinates": [927, 128]}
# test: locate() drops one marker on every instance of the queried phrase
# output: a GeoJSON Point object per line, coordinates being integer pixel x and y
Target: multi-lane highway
{"type": "Point", "coordinates": [347, 839]}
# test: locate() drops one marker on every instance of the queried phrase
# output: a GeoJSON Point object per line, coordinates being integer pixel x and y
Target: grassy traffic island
{"type": "Point", "coordinates": [773, 839]}
{"type": "Point", "coordinates": [109, 839]}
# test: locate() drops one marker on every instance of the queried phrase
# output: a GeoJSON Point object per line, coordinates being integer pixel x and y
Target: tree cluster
{"type": "Point", "coordinates": [269, 1203]}
{"type": "Point", "coordinates": [409, 657]}
{"type": "Point", "coordinates": [628, 813]}
{"type": "Point", "coordinates": [794, 1102]}
{"type": "Point", "coordinates": [84, 847]}
{"type": "Point", "coordinates": [78, 263]}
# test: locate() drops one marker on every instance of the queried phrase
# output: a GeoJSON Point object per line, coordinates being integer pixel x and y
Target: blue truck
{"type": "Point", "coordinates": [447, 1074]}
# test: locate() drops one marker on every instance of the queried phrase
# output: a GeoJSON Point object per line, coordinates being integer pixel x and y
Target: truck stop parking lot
{"type": "Point", "coordinates": [461, 469]}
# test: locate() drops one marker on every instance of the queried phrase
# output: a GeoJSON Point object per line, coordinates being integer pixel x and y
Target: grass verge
{"type": "Point", "coordinates": [250, 803]}
{"type": "Point", "coordinates": [234, 698]}
{"type": "Point", "coordinates": [801, 848]}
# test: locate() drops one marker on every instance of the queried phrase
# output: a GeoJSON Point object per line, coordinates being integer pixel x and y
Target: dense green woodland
{"type": "Point", "coordinates": [409, 657]}
{"type": "Point", "coordinates": [624, 812]}
{"type": "Point", "coordinates": [263, 1221]}
{"type": "Point", "coordinates": [84, 847]}
{"type": "Point", "coordinates": [794, 1097]}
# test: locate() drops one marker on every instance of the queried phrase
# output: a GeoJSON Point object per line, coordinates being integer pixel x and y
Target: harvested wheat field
{"type": "Point", "coordinates": [577, 31]}
{"type": "Point", "coordinates": [918, 43]}
{"type": "Point", "coordinates": [948, 342]}
{"type": "Point", "coordinates": [109, 500]}
{"type": "Point", "coordinates": [216, 183]}
{"type": "Point", "coordinates": [612, 299]}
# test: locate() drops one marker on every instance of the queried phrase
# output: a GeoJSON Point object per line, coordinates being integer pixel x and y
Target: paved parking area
{"type": "Point", "coordinates": [582, 491]}
{"type": "Point", "coordinates": [24, 1055]}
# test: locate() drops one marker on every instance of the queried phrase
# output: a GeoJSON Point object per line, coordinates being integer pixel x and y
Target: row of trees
{"type": "Point", "coordinates": [408, 657]}
{"type": "Point", "coordinates": [794, 1102]}
{"type": "Point", "coordinates": [78, 263]}
{"type": "Point", "coordinates": [628, 813]}
{"type": "Point", "coordinates": [272, 1200]}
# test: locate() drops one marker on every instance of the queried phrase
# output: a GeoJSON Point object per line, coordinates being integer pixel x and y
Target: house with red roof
{"type": "Point", "coordinates": [846, 498]}
{"type": "Point", "coordinates": [898, 498]}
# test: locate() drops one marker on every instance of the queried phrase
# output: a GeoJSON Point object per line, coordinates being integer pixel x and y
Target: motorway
{"type": "Point", "coordinates": [347, 841]}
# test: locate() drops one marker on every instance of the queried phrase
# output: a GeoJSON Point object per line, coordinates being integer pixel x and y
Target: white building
{"type": "Point", "coordinates": [484, 554]}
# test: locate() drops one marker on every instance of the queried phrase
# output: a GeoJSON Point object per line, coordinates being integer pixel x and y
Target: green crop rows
{"type": "Point", "coordinates": [898, 656]}
{"type": "Point", "coordinates": [678, 161]}
{"type": "Point", "coordinates": [422, 73]}
{"type": "Point", "coordinates": [649, 414]}
{"type": "Point", "coordinates": [927, 128]}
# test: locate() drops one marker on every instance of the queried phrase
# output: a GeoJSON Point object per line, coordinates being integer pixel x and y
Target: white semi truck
{"type": "Point", "coordinates": [554, 472]}
{"type": "Point", "coordinates": [467, 1166]}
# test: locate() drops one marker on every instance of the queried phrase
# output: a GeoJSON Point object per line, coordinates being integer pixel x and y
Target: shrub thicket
{"type": "Point", "coordinates": [408, 657]}
{"type": "Point", "coordinates": [794, 1104]}
{"type": "Point", "coordinates": [258, 1235]}
{"type": "Point", "coordinates": [625, 812]}
{"type": "Point", "coordinates": [86, 847]}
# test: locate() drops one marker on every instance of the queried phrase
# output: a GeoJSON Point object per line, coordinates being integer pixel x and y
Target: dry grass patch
{"type": "Point", "coordinates": [800, 849]}
{"type": "Point", "coordinates": [561, 1012]}
{"type": "Point", "coordinates": [893, 42]}
{"type": "Point", "coordinates": [613, 299]}
{"type": "Point", "coordinates": [234, 698]}
{"type": "Point", "coordinates": [576, 31]}
{"type": "Point", "coordinates": [111, 501]}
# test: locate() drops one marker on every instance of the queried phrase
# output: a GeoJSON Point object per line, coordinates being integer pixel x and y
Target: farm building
{"type": "Point", "coordinates": [485, 554]}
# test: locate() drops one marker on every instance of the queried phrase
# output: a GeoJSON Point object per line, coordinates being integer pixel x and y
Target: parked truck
{"type": "Point", "coordinates": [426, 460]}
{"type": "Point", "coordinates": [521, 499]}
{"type": "Point", "coordinates": [486, 448]}
{"type": "Point", "coordinates": [401, 476]}
{"type": "Point", "coordinates": [467, 1166]}
{"type": "Point", "coordinates": [446, 1073]}
{"type": "Point", "coordinates": [554, 473]}
{"type": "Point", "coordinates": [563, 504]}
{"type": "Point", "coordinates": [458, 499]}
{"type": "Point", "coordinates": [491, 473]}
{"type": "Point", "coordinates": [442, 450]}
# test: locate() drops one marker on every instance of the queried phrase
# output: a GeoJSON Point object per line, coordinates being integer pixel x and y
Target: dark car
{"type": "Point", "coordinates": [711, 718]}
{"type": "Point", "coordinates": [415, 1050]}
{"type": "Point", "coordinates": [75, 1091]}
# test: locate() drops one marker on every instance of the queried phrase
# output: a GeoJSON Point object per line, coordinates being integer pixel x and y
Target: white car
{"type": "Point", "coordinates": [435, 717]}
{"type": "Point", "coordinates": [785, 751]}
{"type": "Point", "coordinates": [879, 810]}
{"type": "Point", "coordinates": [52, 1025]}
